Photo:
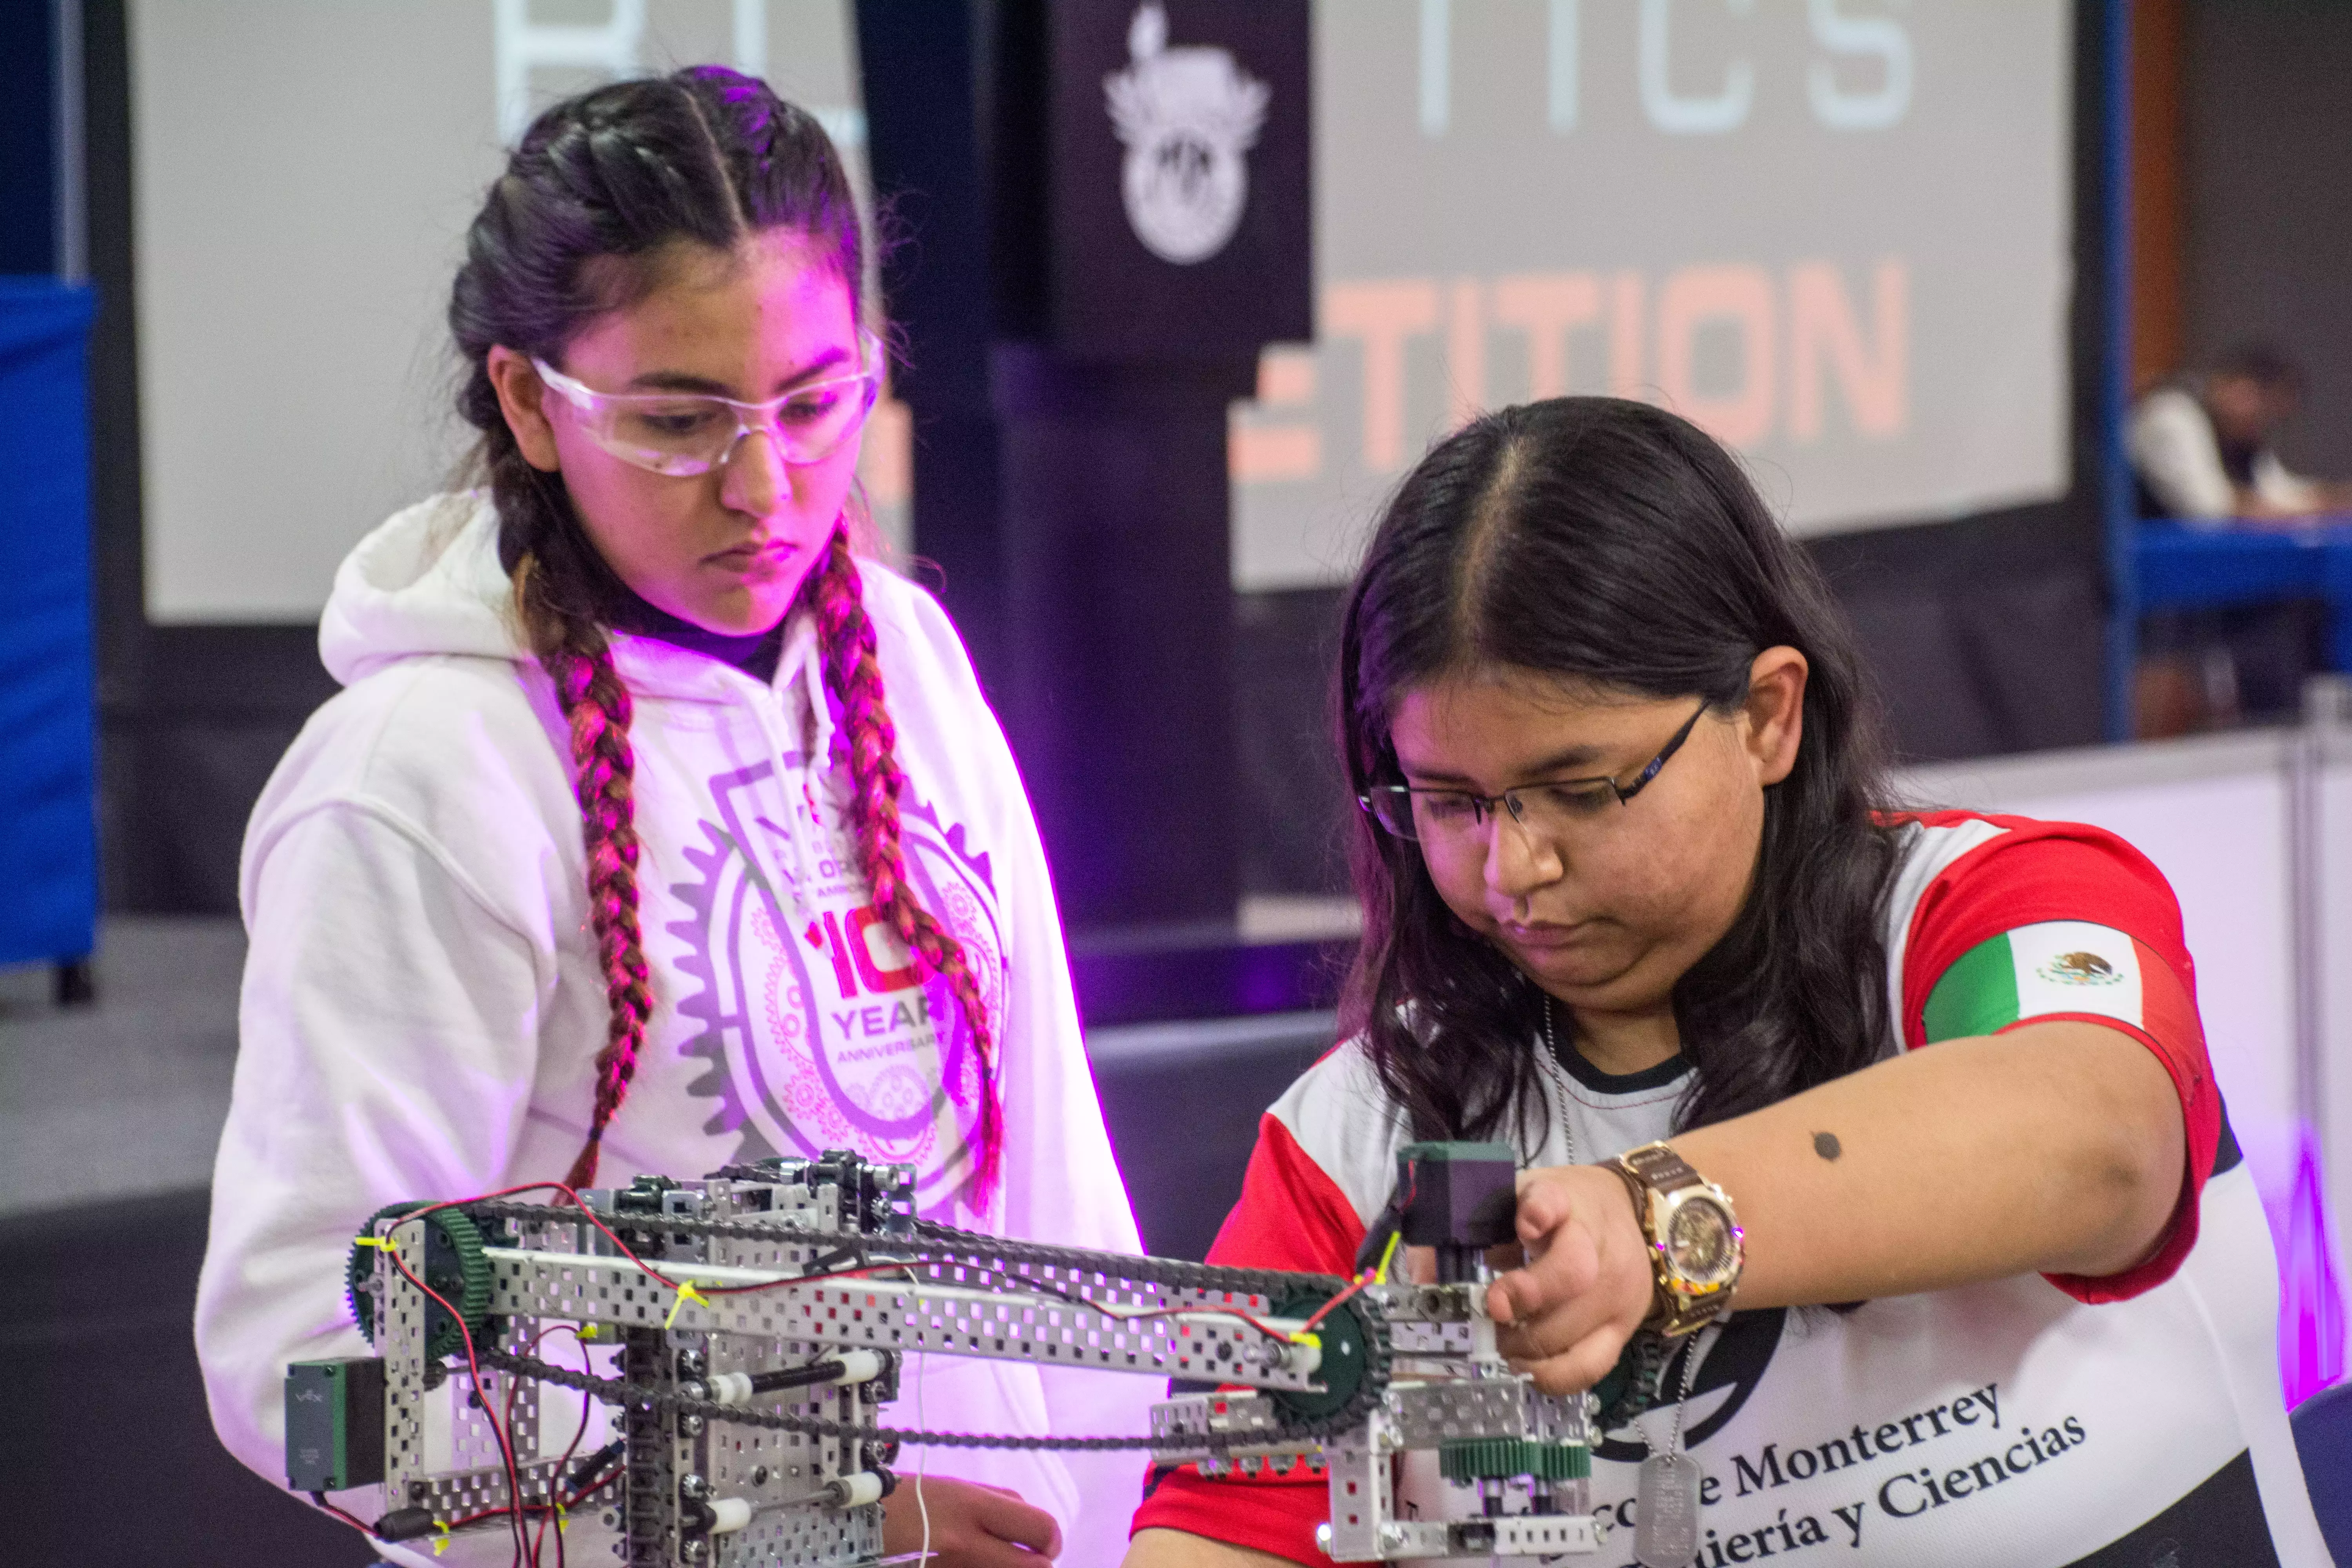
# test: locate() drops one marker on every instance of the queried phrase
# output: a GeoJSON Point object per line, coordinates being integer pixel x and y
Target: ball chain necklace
{"type": "Point", "coordinates": [1666, 1489]}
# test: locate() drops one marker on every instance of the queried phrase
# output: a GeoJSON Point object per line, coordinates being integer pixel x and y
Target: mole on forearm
{"type": "Point", "coordinates": [1826, 1146]}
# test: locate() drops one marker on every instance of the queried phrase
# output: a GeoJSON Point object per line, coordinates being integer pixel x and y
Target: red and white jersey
{"type": "Point", "coordinates": [2029, 1422]}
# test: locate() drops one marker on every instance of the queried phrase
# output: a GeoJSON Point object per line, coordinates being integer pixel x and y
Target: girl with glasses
{"type": "Point", "coordinates": [1874, 1171]}
{"type": "Point", "coordinates": [655, 831]}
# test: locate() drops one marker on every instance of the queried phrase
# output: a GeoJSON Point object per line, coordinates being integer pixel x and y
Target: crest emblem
{"type": "Point", "coordinates": [2080, 969]}
{"type": "Point", "coordinates": [818, 1030]}
{"type": "Point", "coordinates": [1187, 117]}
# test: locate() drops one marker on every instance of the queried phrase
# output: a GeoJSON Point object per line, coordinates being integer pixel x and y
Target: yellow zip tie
{"type": "Point", "coordinates": [686, 1292]}
{"type": "Point", "coordinates": [369, 1241]}
{"type": "Point", "coordinates": [441, 1541]}
{"type": "Point", "coordinates": [1370, 1277]}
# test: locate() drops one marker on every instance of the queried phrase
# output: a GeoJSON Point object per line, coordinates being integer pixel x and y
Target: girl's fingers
{"type": "Point", "coordinates": [972, 1525]}
{"type": "Point", "coordinates": [984, 1551]}
{"type": "Point", "coordinates": [1004, 1516]}
{"type": "Point", "coordinates": [1585, 1363]}
{"type": "Point", "coordinates": [1559, 1329]}
{"type": "Point", "coordinates": [1543, 1205]}
{"type": "Point", "coordinates": [1563, 1271]}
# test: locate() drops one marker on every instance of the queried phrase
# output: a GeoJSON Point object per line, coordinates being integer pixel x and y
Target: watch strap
{"type": "Point", "coordinates": [1655, 1168]}
{"type": "Point", "coordinates": [1657, 1165]}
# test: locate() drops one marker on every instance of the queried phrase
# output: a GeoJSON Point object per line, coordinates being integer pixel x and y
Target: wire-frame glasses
{"type": "Point", "coordinates": [1550, 807]}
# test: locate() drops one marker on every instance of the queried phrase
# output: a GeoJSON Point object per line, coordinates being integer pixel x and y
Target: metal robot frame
{"type": "Point", "coordinates": [760, 1316]}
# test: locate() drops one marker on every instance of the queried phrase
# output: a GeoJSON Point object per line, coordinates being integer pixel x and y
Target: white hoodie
{"type": "Point", "coordinates": [422, 1003]}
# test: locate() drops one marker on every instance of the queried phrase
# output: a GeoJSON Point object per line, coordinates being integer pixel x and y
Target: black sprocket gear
{"type": "Point", "coordinates": [456, 1268]}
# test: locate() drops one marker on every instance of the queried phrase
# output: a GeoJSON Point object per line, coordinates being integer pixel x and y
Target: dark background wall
{"type": "Point", "coordinates": [28, 139]}
{"type": "Point", "coordinates": [2266, 247]}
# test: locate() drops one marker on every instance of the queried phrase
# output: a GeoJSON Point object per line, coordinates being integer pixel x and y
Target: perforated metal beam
{"type": "Point", "coordinates": [896, 1315]}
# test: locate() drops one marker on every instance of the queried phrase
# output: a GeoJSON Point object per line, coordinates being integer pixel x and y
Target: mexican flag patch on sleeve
{"type": "Point", "coordinates": [2057, 966]}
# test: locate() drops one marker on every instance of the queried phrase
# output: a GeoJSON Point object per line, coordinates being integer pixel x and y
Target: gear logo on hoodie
{"type": "Point", "coordinates": [819, 1030]}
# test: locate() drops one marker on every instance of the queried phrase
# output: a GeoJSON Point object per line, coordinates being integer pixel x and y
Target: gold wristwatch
{"type": "Point", "coordinates": [1694, 1236]}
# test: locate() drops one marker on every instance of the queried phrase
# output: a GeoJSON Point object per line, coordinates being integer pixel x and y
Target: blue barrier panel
{"type": "Point", "coordinates": [48, 835]}
{"type": "Point", "coordinates": [2184, 568]}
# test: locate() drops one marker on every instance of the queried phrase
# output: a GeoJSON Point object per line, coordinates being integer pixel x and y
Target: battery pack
{"type": "Point", "coordinates": [334, 1424]}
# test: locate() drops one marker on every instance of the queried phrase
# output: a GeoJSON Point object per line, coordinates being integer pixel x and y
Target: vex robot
{"type": "Point", "coordinates": [756, 1324]}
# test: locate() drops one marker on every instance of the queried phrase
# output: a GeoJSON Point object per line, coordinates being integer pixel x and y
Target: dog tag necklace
{"type": "Point", "coordinates": [1666, 1486]}
{"type": "Point", "coordinates": [1665, 1506]}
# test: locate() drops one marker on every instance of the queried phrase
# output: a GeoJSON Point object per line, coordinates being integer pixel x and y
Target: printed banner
{"type": "Point", "coordinates": [1835, 233]}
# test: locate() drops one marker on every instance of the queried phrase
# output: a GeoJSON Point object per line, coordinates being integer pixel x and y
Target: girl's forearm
{"type": "Point", "coordinates": [2056, 1147]}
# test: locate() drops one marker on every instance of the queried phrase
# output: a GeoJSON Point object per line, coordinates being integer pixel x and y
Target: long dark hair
{"type": "Point", "coordinates": [601, 185]}
{"type": "Point", "coordinates": [1606, 541]}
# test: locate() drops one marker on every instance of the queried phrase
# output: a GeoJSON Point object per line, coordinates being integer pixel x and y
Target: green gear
{"type": "Point", "coordinates": [1494, 1458]}
{"type": "Point", "coordinates": [1345, 1358]}
{"type": "Point", "coordinates": [454, 1266]}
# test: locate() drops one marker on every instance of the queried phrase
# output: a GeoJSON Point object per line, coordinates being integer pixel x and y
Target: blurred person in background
{"type": "Point", "coordinates": [2202, 446]}
{"type": "Point", "coordinates": [2202, 451]}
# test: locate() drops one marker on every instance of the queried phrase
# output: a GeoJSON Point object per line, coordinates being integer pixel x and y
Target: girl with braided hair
{"type": "Point", "coordinates": [654, 830]}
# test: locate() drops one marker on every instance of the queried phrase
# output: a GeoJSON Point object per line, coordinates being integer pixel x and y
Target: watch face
{"type": "Point", "coordinates": [1701, 1245]}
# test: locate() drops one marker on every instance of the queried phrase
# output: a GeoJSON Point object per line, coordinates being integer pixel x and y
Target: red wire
{"type": "Point", "coordinates": [586, 1213]}
{"type": "Point", "coordinates": [514, 1478]}
{"type": "Point", "coordinates": [596, 1484]}
{"type": "Point", "coordinates": [860, 1273]}
{"type": "Point", "coordinates": [570, 1500]}
{"type": "Point", "coordinates": [1325, 1309]}
{"type": "Point", "coordinates": [514, 1387]}
{"type": "Point", "coordinates": [474, 1369]}
{"type": "Point", "coordinates": [572, 1447]}
{"type": "Point", "coordinates": [351, 1518]}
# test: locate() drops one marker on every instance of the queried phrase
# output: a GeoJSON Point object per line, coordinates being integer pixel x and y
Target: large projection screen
{"type": "Point", "coordinates": [303, 176]}
{"type": "Point", "coordinates": [1836, 232]}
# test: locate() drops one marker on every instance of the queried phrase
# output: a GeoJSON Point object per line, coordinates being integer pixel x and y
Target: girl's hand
{"type": "Point", "coordinates": [1565, 1316]}
{"type": "Point", "coordinates": [973, 1526]}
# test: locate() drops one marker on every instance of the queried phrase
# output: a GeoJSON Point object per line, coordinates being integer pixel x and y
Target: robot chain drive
{"type": "Point", "coordinates": [759, 1319]}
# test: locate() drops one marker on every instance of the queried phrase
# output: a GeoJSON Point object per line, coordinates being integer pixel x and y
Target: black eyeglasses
{"type": "Point", "coordinates": [1422, 814]}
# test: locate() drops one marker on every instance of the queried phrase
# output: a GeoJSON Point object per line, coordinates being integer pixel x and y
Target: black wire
{"type": "Point", "coordinates": [474, 1356]}
{"type": "Point", "coordinates": [351, 1518]}
{"type": "Point", "coordinates": [595, 1462]}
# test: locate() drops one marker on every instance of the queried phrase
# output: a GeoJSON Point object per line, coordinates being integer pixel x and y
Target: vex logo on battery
{"type": "Point", "coordinates": [1188, 116]}
{"type": "Point", "coordinates": [2080, 969]}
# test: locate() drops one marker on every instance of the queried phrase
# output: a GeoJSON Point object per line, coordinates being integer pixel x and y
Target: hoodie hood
{"type": "Point", "coordinates": [426, 583]}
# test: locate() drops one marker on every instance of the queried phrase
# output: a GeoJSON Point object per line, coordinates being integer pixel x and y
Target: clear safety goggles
{"type": "Point", "coordinates": [684, 433]}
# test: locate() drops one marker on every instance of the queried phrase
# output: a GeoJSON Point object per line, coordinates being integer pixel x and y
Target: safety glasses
{"type": "Point", "coordinates": [683, 433]}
